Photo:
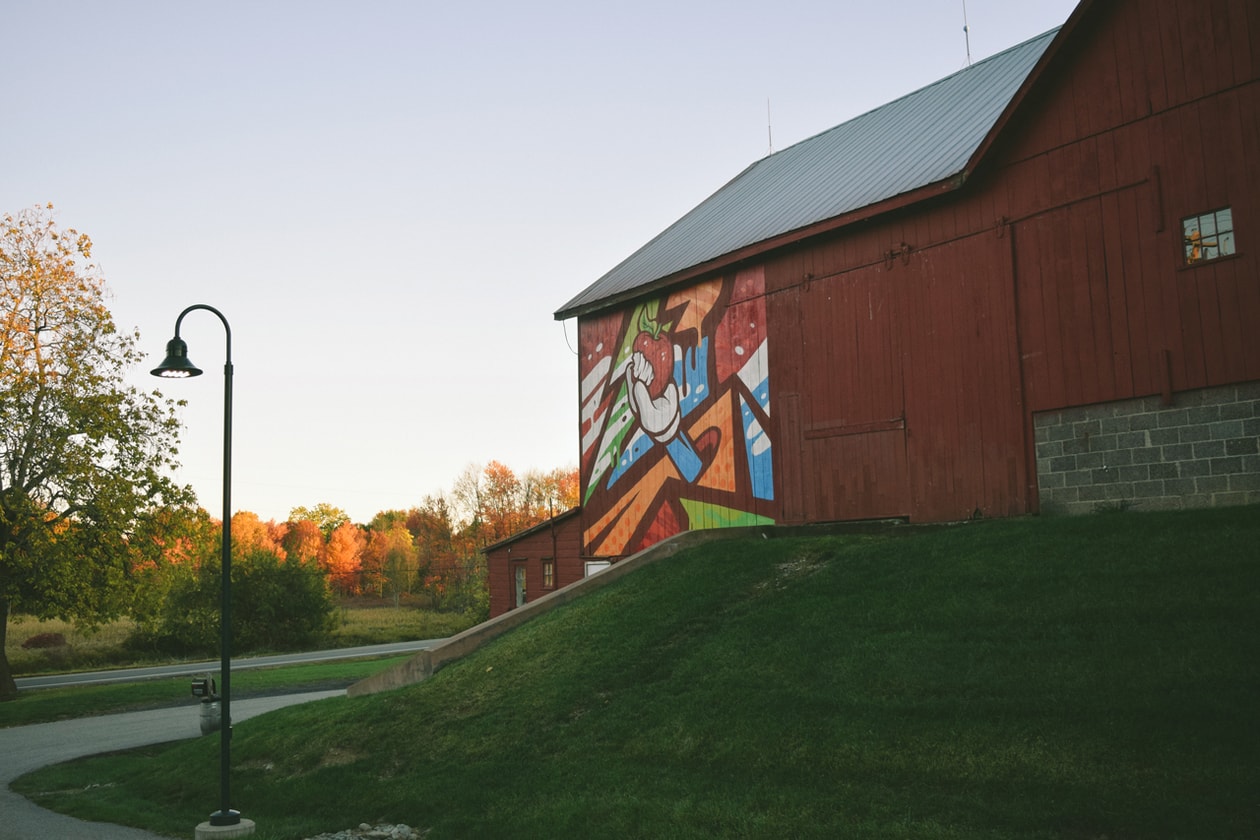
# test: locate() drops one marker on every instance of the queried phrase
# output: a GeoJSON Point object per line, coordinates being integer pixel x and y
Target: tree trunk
{"type": "Point", "coordinates": [8, 688]}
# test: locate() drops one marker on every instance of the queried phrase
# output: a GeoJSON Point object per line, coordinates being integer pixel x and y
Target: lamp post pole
{"type": "Point", "coordinates": [177, 365]}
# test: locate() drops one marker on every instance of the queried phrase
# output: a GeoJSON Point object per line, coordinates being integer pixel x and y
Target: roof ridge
{"type": "Point", "coordinates": [917, 91]}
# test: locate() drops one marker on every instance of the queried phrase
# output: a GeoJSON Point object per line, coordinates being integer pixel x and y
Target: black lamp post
{"type": "Point", "coordinates": [176, 365]}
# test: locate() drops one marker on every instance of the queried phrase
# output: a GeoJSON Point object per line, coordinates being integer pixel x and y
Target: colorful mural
{"type": "Point", "coordinates": [675, 395]}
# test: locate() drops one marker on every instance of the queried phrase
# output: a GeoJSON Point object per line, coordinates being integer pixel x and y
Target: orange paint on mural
{"type": "Point", "coordinates": [721, 472]}
{"type": "Point", "coordinates": [699, 300]}
{"type": "Point", "coordinates": [629, 511]}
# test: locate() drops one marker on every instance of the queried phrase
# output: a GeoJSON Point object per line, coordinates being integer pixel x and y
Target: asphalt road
{"type": "Point", "coordinates": [137, 674]}
{"type": "Point", "coordinates": [27, 748]}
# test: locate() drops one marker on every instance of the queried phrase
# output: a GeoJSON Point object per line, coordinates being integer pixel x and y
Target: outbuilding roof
{"type": "Point", "coordinates": [924, 138]}
{"type": "Point", "coordinates": [541, 526]}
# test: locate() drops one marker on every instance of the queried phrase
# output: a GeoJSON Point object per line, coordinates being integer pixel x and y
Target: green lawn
{"type": "Point", "coordinates": [1072, 678]}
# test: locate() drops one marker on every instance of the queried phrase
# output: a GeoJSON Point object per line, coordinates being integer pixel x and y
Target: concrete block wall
{"type": "Point", "coordinates": [1201, 451]}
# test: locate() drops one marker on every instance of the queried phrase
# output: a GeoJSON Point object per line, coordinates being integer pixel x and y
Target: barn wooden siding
{"type": "Point", "coordinates": [909, 355]}
{"type": "Point", "coordinates": [559, 539]}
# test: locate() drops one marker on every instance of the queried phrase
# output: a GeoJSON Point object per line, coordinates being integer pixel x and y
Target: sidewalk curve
{"type": "Point", "coordinates": [27, 748]}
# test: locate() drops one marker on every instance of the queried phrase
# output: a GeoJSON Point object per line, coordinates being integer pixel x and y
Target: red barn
{"type": "Point", "coordinates": [1031, 286]}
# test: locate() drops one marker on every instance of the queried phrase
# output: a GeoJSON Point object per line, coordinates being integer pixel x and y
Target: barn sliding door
{"type": "Point", "coordinates": [964, 397]}
{"type": "Point", "coordinates": [906, 399]}
{"type": "Point", "coordinates": [852, 410]}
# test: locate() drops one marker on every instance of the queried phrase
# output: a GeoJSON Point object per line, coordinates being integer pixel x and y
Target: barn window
{"type": "Point", "coordinates": [549, 574]}
{"type": "Point", "coordinates": [1208, 236]}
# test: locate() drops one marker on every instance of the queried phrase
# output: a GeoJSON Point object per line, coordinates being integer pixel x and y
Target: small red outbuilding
{"type": "Point", "coordinates": [542, 559]}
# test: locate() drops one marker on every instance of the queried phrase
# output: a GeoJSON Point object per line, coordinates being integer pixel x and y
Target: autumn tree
{"type": "Point", "coordinates": [502, 499]}
{"type": "Point", "coordinates": [387, 519]}
{"type": "Point", "coordinates": [431, 529]}
{"type": "Point", "coordinates": [389, 561]}
{"type": "Point", "coordinates": [566, 485]}
{"type": "Point", "coordinates": [251, 534]}
{"type": "Point", "coordinates": [82, 453]}
{"type": "Point", "coordinates": [302, 540]}
{"type": "Point", "coordinates": [493, 503]}
{"type": "Point", "coordinates": [546, 494]}
{"type": "Point", "coordinates": [325, 516]}
{"type": "Point", "coordinates": [430, 523]}
{"type": "Point", "coordinates": [343, 557]}
{"type": "Point", "coordinates": [170, 536]}
{"type": "Point", "coordinates": [373, 573]}
{"type": "Point", "coordinates": [168, 544]}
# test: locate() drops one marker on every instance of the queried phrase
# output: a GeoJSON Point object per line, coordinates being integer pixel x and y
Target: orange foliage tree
{"type": "Point", "coordinates": [504, 506]}
{"type": "Point", "coordinates": [302, 540]}
{"type": "Point", "coordinates": [436, 559]}
{"type": "Point", "coordinates": [343, 557]}
{"type": "Point", "coordinates": [495, 504]}
{"type": "Point", "coordinates": [250, 534]}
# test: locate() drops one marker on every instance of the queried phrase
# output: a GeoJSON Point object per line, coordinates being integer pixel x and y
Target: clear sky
{"type": "Point", "coordinates": [388, 200]}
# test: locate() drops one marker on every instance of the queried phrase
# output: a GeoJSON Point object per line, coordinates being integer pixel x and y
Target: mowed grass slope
{"type": "Point", "coordinates": [1042, 678]}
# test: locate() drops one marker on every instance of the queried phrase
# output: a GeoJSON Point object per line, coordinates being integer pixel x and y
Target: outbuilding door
{"type": "Point", "coordinates": [518, 584]}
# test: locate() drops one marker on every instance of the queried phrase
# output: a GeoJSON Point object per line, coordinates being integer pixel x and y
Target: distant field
{"type": "Point", "coordinates": [358, 625]}
{"type": "Point", "coordinates": [104, 647]}
{"type": "Point", "coordinates": [84, 649]}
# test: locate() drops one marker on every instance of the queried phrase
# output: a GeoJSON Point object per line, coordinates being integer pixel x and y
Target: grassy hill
{"type": "Point", "coordinates": [1093, 677]}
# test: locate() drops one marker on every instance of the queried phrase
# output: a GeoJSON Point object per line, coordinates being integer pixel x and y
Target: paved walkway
{"type": "Point", "coordinates": [27, 748]}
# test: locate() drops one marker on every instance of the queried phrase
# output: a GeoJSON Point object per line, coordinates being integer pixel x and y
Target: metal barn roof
{"type": "Point", "coordinates": [920, 139]}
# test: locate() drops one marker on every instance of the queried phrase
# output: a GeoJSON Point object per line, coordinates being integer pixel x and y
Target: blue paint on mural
{"type": "Point", "coordinates": [684, 456]}
{"type": "Point", "coordinates": [692, 370]}
{"type": "Point", "coordinates": [757, 445]}
{"type": "Point", "coordinates": [639, 446]}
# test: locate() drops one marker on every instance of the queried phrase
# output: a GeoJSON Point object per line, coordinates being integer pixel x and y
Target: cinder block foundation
{"type": "Point", "coordinates": [1202, 450]}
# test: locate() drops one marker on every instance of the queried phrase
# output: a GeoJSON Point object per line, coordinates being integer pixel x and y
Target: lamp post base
{"type": "Point", "coordinates": [225, 816]}
{"type": "Point", "coordinates": [209, 831]}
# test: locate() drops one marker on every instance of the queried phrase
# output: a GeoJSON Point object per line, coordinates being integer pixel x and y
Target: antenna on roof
{"type": "Point", "coordinates": [769, 127]}
{"type": "Point", "coordinates": [966, 33]}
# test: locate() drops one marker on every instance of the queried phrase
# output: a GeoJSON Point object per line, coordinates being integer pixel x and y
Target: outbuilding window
{"type": "Point", "coordinates": [549, 574]}
{"type": "Point", "coordinates": [1208, 236]}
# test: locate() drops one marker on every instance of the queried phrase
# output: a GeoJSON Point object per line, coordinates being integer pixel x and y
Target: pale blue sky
{"type": "Point", "coordinates": [388, 200]}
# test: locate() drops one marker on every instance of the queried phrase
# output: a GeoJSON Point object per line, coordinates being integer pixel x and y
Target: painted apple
{"type": "Point", "coordinates": [659, 352]}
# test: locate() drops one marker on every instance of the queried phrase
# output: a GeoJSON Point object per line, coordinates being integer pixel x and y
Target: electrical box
{"type": "Point", "coordinates": [203, 687]}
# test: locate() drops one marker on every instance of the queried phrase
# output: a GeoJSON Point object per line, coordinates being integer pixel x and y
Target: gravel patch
{"type": "Point", "coordinates": [383, 831]}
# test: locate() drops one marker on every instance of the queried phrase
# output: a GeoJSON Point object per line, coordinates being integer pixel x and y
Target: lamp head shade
{"type": "Point", "coordinates": [176, 365]}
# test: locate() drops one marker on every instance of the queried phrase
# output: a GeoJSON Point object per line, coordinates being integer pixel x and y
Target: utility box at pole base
{"type": "Point", "coordinates": [211, 715]}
